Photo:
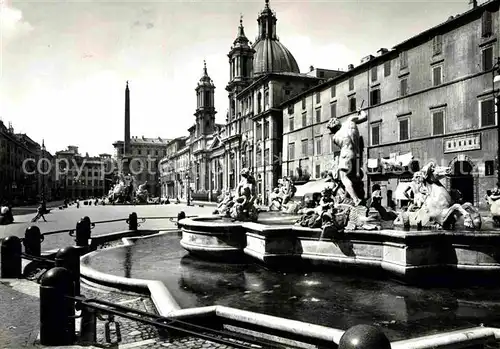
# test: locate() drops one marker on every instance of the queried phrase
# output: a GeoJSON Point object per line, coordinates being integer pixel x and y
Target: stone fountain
{"type": "Point", "coordinates": [436, 237]}
{"type": "Point", "coordinates": [126, 190]}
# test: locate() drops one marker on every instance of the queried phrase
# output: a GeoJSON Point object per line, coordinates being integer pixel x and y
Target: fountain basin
{"type": "Point", "coordinates": [412, 256]}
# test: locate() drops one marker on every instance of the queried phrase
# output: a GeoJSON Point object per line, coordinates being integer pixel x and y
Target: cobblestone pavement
{"type": "Point", "coordinates": [19, 320]}
{"type": "Point", "coordinates": [67, 218]}
{"type": "Point", "coordinates": [138, 335]}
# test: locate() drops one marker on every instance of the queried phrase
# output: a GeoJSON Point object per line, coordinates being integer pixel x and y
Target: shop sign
{"type": "Point", "coordinates": [462, 143]}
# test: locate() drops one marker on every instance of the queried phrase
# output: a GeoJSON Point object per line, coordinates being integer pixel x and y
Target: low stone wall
{"type": "Point", "coordinates": [413, 256]}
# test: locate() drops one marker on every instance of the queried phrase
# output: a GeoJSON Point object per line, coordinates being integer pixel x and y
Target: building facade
{"type": "Point", "coordinates": [18, 185]}
{"type": "Point", "coordinates": [81, 176]}
{"type": "Point", "coordinates": [430, 98]}
{"type": "Point", "coordinates": [262, 76]}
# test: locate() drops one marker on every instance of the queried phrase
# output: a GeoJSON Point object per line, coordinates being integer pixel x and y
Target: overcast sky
{"type": "Point", "coordinates": [64, 63]}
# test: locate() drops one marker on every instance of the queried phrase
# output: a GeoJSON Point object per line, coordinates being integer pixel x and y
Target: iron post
{"type": "Point", "coordinates": [132, 221]}
{"type": "Point", "coordinates": [57, 323]}
{"type": "Point", "coordinates": [11, 258]}
{"type": "Point", "coordinates": [32, 241]}
{"type": "Point", "coordinates": [69, 258]}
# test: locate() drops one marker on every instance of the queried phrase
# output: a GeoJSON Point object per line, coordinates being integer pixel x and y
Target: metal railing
{"type": "Point", "coordinates": [60, 297]}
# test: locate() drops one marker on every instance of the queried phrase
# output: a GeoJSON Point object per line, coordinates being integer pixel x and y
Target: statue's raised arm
{"type": "Point", "coordinates": [361, 117]}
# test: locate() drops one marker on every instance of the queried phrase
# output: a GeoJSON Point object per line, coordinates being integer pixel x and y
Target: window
{"type": "Point", "coordinates": [376, 134]}
{"type": "Point", "coordinates": [486, 24]}
{"type": "Point", "coordinates": [266, 157]}
{"type": "Point", "coordinates": [291, 109]}
{"type": "Point", "coordinates": [487, 58]}
{"type": "Point", "coordinates": [387, 69]}
{"type": "Point", "coordinates": [317, 171]}
{"type": "Point", "coordinates": [404, 129]}
{"type": "Point", "coordinates": [403, 87]}
{"type": "Point", "coordinates": [403, 60]}
{"type": "Point", "coordinates": [375, 97]}
{"type": "Point", "coordinates": [333, 110]}
{"type": "Point", "coordinates": [352, 104]}
{"type": "Point", "coordinates": [304, 119]}
{"type": "Point", "coordinates": [487, 111]}
{"type": "Point", "coordinates": [438, 122]}
{"type": "Point", "coordinates": [437, 45]}
{"type": "Point", "coordinates": [351, 84]}
{"type": "Point", "coordinates": [291, 123]}
{"type": "Point", "coordinates": [318, 97]}
{"type": "Point", "coordinates": [318, 145]}
{"type": "Point", "coordinates": [258, 132]}
{"type": "Point", "coordinates": [437, 75]}
{"type": "Point", "coordinates": [318, 115]}
{"type": "Point", "coordinates": [304, 147]}
{"type": "Point", "coordinates": [333, 91]}
{"type": "Point", "coordinates": [374, 74]}
{"type": "Point", "coordinates": [291, 151]}
{"type": "Point", "coordinates": [303, 103]}
{"type": "Point", "coordinates": [259, 158]}
{"type": "Point", "coordinates": [266, 129]}
{"type": "Point", "coordinates": [489, 168]}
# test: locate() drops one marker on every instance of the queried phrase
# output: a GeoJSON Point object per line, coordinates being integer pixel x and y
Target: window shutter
{"type": "Point", "coordinates": [487, 23]}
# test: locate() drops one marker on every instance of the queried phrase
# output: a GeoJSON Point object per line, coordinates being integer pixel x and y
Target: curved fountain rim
{"type": "Point", "coordinates": [168, 307]}
{"type": "Point", "coordinates": [164, 302]}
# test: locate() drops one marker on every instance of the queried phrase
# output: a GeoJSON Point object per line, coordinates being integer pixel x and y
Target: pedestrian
{"type": "Point", "coordinates": [77, 203]}
{"type": "Point", "coordinates": [40, 213]}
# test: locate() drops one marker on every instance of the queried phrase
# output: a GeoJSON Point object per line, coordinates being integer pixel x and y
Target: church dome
{"type": "Point", "coordinates": [271, 56]}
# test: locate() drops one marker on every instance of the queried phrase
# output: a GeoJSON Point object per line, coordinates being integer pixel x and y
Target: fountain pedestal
{"type": "Point", "coordinates": [412, 256]}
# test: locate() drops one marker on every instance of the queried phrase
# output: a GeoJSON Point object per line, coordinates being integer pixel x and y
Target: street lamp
{"type": "Point", "coordinates": [496, 95]}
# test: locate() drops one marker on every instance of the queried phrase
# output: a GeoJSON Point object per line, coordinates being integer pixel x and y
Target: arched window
{"type": "Point", "coordinates": [259, 102]}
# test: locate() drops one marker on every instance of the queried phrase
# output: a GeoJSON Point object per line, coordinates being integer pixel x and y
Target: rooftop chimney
{"type": "Point", "coordinates": [366, 59]}
{"type": "Point", "coordinates": [311, 68]}
{"type": "Point", "coordinates": [382, 51]}
{"type": "Point", "coordinates": [473, 3]}
{"type": "Point", "coordinates": [350, 67]}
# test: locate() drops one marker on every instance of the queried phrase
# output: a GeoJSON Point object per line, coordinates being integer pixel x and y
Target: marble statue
{"type": "Point", "coordinates": [492, 198]}
{"type": "Point", "coordinates": [225, 204]}
{"type": "Point", "coordinates": [141, 193]}
{"type": "Point", "coordinates": [127, 190]}
{"type": "Point", "coordinates": [437, 208]}
{"type": "Point", "coordinates": [348, 169]}
{"type": "Point", "coordinates": [243, 207]}
{"type": "Point", "coordinates": [282, 197]}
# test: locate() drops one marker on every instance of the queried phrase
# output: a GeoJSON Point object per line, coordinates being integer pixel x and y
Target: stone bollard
{"type": "Point", "coordinates": [364, 337]}
{"type": "Point", "coordinates": [11, 258]}
{"type": "Point", "coordinates": [32, 241]}
{"type": "Point", "coordinates": [69, 258]}
{"type": "Point", "coordinates": [82, 233]}
{"type": "Point", "coordinates": [57, 323]}
{"type": "Point", "coordinates": [132, 221]}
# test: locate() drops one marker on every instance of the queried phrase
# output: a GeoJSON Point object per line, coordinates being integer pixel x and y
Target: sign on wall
{"type": "Point", "coordinates": [462, 143]}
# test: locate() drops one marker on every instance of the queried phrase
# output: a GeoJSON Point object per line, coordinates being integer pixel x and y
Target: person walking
{"type": "Point", "coordinates": [40, 213]}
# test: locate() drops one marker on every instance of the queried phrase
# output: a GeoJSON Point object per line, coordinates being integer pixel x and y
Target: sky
{"type": "Point", "coordinates": [64, 63]}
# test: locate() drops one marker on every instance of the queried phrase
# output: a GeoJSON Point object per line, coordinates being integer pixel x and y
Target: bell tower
{"type": "Point", "coordinates": [205, 107]}
{"type": "Point", "coordinates": [240, 68]}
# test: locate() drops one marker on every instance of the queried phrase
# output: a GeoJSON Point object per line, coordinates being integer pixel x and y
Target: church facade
{"type": "Point", "coordinates": [262, 76]}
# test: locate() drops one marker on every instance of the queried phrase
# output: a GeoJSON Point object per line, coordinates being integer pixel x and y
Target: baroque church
{"type": "Point", "coordinates": [263, 76]}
